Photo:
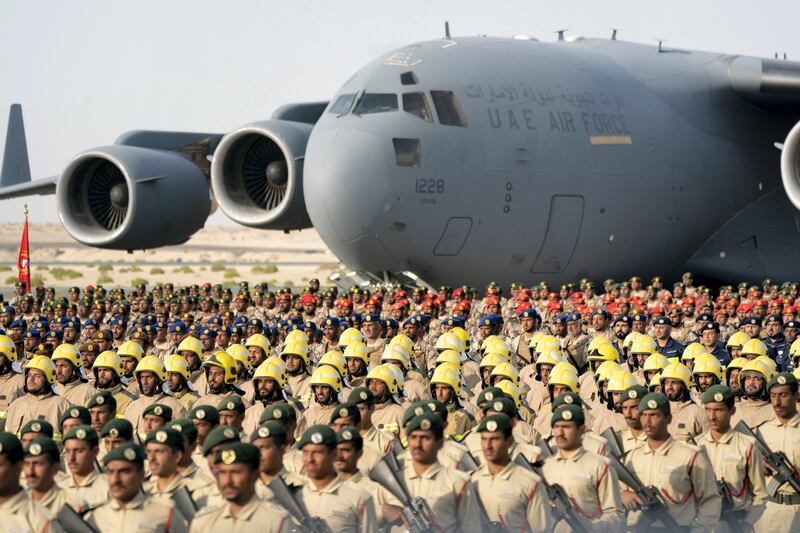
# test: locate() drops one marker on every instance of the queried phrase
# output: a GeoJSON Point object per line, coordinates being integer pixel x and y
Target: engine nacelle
{"type": "Point", "coordinates": [127, 198]}
{"type": "Point", "coordinates": [257, 175]}
{"type": "Point", "coordinates": [790, 165]}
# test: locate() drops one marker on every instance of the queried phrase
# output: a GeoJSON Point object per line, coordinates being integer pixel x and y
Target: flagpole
{"type": "Point", "coordinates": [23, 259]}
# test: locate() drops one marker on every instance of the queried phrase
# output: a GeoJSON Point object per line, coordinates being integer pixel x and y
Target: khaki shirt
{"type": "Point", "coordinates": [785, 438]}
{"type": "Point", "coordinates": [591, 485]}
{"type": "Point", "coordinates": [388, 417]}
{"type": "Point", "coordinates": [514, 497]}
{"type": "Point", "coordinates": [123, 398]}
{"type": "Point", "coordinates": [186, 398]}
{"type": "Point", "coordinates": [257, 516]}
{"type": "Point", "coordinates": [755, 413]}
{"type": "Point", "coordinates": [737, 462]}
{"type": "Point", "coordinates": [375, 350]}
{"type": "Point", "coordinates": [140, 514]}
{"type": "Point", "coordinates": [301, 387]}
{"type": "Point", "coordinates": [134, 413]}
{"type": "Point", "coordinates": [199, 486]}
{"type": "Point", "coordinates": [684, 477]}
{"type": "Point", "coordinates": [315, 414]}
{"type": "Point", "coordinates": [416, 391]}
{"type": "Point", "coordinates": [381, 440]}
{"type": "Point", "coordinates": [12, 386]}
{"type": "Point", "coordinates": [630, 441]}
{"type": "Point", "coordinates": [290, 478]}
{"type": "Point", "coordinates": [20, 514]}
{"type": "Point", "coordinates": [458, 422]}
{"type": "Point", "coordinates": [77, 392]}
{"type": "Point", "coordinates": [47, 407]}
{"type": "Point", "coordinates": [688, 420]}
{"type": "Point", "coordinates": [342, 505]}
{"type": "Point", "coordinates": [55, 498]}
{"type": "Point", "coordinates": [92, 491]}
{"type": "Point", "coordinates": [214, 399]}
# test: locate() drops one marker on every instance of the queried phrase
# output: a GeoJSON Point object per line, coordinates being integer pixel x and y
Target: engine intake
{"type": "Point", "coordinates": [126, 198]}
{"type": "Point", "coordinates": [790, 165]}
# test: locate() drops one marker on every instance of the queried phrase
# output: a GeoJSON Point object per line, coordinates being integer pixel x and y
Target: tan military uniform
{"type": "Point", "coordinates": [290, 478]}
{"type": "Point", "coordinates": [163, 349]}
{"type": "Point", "coordinates": [199, 486]}
{"type": "Point", "coordinates": [591, 485]}
{"type": "Point", "coordinates": [20, 514]}
{"type": "Point", "coordinates": [214, 399]}
{"type": "Point", "coordinates": [514, 497]}
{"type": "Point", "coordinates": [344, 506]}
{"type": "Point", "coordinates": [123, 398]}
{"type": "Point", "coordinates": [416, 391]}
{"type": "Point", "coordinates": [301, 387]}
{"type": "Point", "coordinates": [375, 349]}
{"type": "Point", "coordinates": [755, 413]}
{"type": "Point", "coordinates": [388, 417]}
{"type": "Point", "coordinates": [256, 516]}
{"type": "Point", "coordinates": [688, 420]}
{"type": "Point", "coordinates": [12, 386]}
{"type": "Point", "coordinates": [780, 517]}
{"type": "Point", "coordinates": [133, 385]}
{"type": "Point", "coordinates": [737, 462]}
{"type": "Point", "coordinates": [380, 440]}
{"type": "Point", "coordinates": [92, 491]}
{"type": "Point", "coordinates": [77, 392]}
{"type": "Point", "coordinates": [630, 441]}
{"type": "Point", "coordinates": [138, 515]}
{"type": "Point", "coordinates": [588, 390]}
{"type": "Point", "coordinates": [55, 498]}
{"type": "Point", "coordinates": [459, 422]}
{"type": "Point", "coordinates": [186, 398]}
{"type": "Point", "coordinates": [684, 477]}
{"type": "Point", "coordinates": [134, 413]}
{"type": "Point", "coordinates": [47, 407]}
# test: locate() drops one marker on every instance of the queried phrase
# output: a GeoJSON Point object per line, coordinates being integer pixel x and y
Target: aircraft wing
{"type": "Point", "coordinates": [41, 187]}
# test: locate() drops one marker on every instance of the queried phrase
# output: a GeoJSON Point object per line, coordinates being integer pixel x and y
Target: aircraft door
{"type": "Point", "coordinates": [561, 237]}
{"type": "Point", "coordinates": [454, 236]}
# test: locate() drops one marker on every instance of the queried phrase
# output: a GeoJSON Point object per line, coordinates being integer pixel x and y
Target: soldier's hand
{"type": "Point", "coordinates": [631, 501]}
{"type": "Point", "coordinates": [392, 513]}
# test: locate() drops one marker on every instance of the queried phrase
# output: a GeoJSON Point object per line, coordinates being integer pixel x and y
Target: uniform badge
{"type": "Point", "coordinates": [347, 434]}
{"type": "Point", "coordinates": [228, 433]}
{"type": "Point", "coordinates": [568, 399]}
{"type": "Point", "coordinates": [632, 394]}
{"type": "Point", "coordinates": [35, 448]}
{"type": "Point", "coordinates": [718, 397]}
{"type": "Point", "coordinates": [161, 436]}
{"type": "Point", "coordinates": [158, 411]}
{"type": "Point", "coordinates": [782, 380]}
{"type": "Point", "coordinates": [200, 414]}
{"type": "Point", "coordinates": [277, 413]}
{"type": "Point", "coordinates": [566, 415]}
{"type": "Point", "coordinates": [230, 406]}
{"type": "Point", "coordinates": [418, 411]}
{"type": "Point", "coordinates": [74, 413]}
{"type": "Point", "coordinates": [100, 400]}
{"type": "Point", "coordinates": [498, 406]}
{"type": "Point", "coordinates": [177, 427]}
{"type": "Point", "coordinates": [491, 425]}
{"type": "Point", "coordinates": [316, 438]}
{"type": "Point", "coordinates": [228, 456]}
{"type": "Point", "coordinates": [113, 433]}
{"type": "Point", "coordinates": [343, 412]}
{"type": "Point", "coordinates": [36, 427]}
{"type": "Point", "coordinates": [425, 424]}
{"type": "Point", "coordinates": [489, 396]}
{"type": "Point", "coordinates": [263, 432]}
{"type": "Point", "coordinates": [129, 454]}
{"type": "Point", "coordinates": [81, 434]}
{"type": "Point", "coordinates": [652, 404]}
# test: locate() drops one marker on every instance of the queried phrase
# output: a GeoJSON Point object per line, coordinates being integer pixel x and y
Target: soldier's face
{"type": "Point", "coordinates": [753, 384]}
{"type": "Point", "coordinates": [544, 373]}
{"type": "Point", "coordinates": [231, 418]}
{"type": "Point", "coordinates": [148, 383]}
{"type": "Point", "coordinates": [266, 388]}
{"type": "Point", "coordinates": [101, 416]}
{"type": "Point", "coordinates": [574, 328]}
{"type": "Point", "coordinates": [80, 456]}
{"type": "Point", "coordinates": [424, 446]}
{"type": "Point", "coordinates": [773, 329]}
{"type": "Point", "coordinates": [719, 416]}
{"type": "Point", "coordinates": [654, 423]}
{"type": "Point", "coordinates": [294, 363]}
{"type": "Point", "coordinates": [124, 480]}
{"type": "Point", "coordinates": [128, 365]}
{"type": "Point", "coordinates": [784, 401]}
{"type": "Point", "coordinates": [347, 456]}
{"type": "Point", "coordinates": [163, 460]}
{"type": "Point", "coordinates": [64, 371]}
{"type": "Point", "coordinates": [270, 455]}
{"type": "Point", "coordinates": [215, 377]}
{"type": "Point", "coordinates": [39, 472]}
{"type": "Point", "coordinates": [318, 460]}
{"type": "Point", "coordinates": [568, 435]}
{"type": "Point", "coordinates": [35, 381]}
{"type": "Point", "coordinates": [355, 367]}
{"type": "Point", "coordinates": [256, 355]}
{"type": "Point", "coordinates": [630, 410]}
{"type": "Point", "coordinates": [237, 482]}
{"type": "Point", "coordinates": [70, 423]}
{"type": "Point", "coordinates": [704, 381]}
{"type": "Point", "coordinates": [673, 388]}
{"type": "Point", "coordinates": [443, 393]}
{"type": "Point", "coordinates": [371, 330]}
{"type": "Point", "coordinates": [152, 422]}
{"type": "Point", "coordinates": [495, 446]}
{"type": "Point", "coordinates": [322, 394]}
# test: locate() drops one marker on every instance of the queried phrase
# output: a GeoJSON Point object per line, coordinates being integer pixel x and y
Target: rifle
{"type": "Point", "coordinates": [416, 513]}
{"type": "Point", "coordinates": [784, 470]}
{"type": "Point", "coordinates": [467, 463]}
{"type": "Point", "coordinates": [555, 493]}
{"type": "Point", "coordinates": [727, 505]}
{"type": "Point", "coordinates": [183, 501]}
{"type": "Point", "coordinates": [72, 522]}
{"type": "Point", "coordinates": [285, 498]}
{"type": "Point", "coordinates": [655, 507]}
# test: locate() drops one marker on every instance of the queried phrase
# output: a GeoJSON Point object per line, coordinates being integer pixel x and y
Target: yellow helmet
{"type": "Point", "coordinates": [131, 349]}
{"type": "Point", "coordinates": [191, 344]}
{"type": "Point", "coordinates": [240, 355]}
{"type": "Point", "coordinates": [384, 373]}
{"type": "Point", "coordinates": [738, 339]}
{"type": "Point", "coordinates": [405, 341]}
{"type": "Point", "coordinates": [606, 370]}
{"type": "Point", "coordinates": [298, 348]}
{"type": "Point", "coordinates": [707, 364]}
{"type": "Point", "coordinates": [506, 370]}
{"type": "Point", "coordinates": [593, 344]}
{"type": "Point", "coordinates": [692, 351]}
{"type": "Point", "coordinates": [492, 360]}
{"type": "Point", "coordinates": [621, 380]}
{"type": "Point", "coordinates": [225, 362]}
{"type": "Point", "coordinates": [449, 357]}
{"type": "Point", "coordinates": [737, 362]}
{"type": "Point", "coordinates": [655, 361]}
{"type": "Point", "coordinates": [535, 340]}
{"type": "Point", "coordinates": [8, 348]}
{"type": "Point", "coordinates": [757, 365]}
{"type": "Point", "coordinates": [351, 335]}
{"type": "Point", "coordinates": [272, 368]}
{"type": "Point", "coordinates": [396, 352]}
{"type": "Point", "coordinates": [794, 349]}
{"type": "Point", "coordinates": [511, 390]}
{"type": "Point", "coordinates": [499, 346]}
{"type": "Point", "coordinates": [773, 366]}
{"type": "Point", "coordinates": [547, 342]}
{"type": "Point", "coordinates": [69, 352]}
{"type": "Point", "coordinates": [655, 380]}
{"type": "Point", "coordinates": [151, 363]}
{"type": "Point", "coordinates": [296, 335]}
{"type": "Point", "coordinates": [109, 359]}
{"type": "Point", "coordinates": [447, 374]}
{"type": "Point", "coordinates": [630, 338]}
{"type": "Point", "coordinates": [335, 359]}
{"type": "Point", "coordinates": [550, 357]}
{"type": "Point", "coordinates": [176, 363]}
{"type": "Point", "coordinates": [462, 334]}
{"type": "Point", "coordinates": [796, 373]}
{"type": "Point", "coordinates": [677, 371]}
{"type": "Point", "coordinates": [604, 352]}
{"type": "Point", "coordinates": [449, 341]}
{"type": "Point", "coordinates": [327, 376]}
{"type": "Point", "coordinates": [399, 378]}
{"type": "Point", "coordinates": [43, 363]}
{"type": "Point", "coordinates": [357, 350]}
{"type": "Point", "coordinates": [564, 374]}
{"type": "Point", "coordinates": [491, 339]}
{"type": "Point", "coordinates": [754, 347]}
{"type": "Point", "coordinates": [643, 344]}
{"type": "Point", "coordinates": [257, 339]}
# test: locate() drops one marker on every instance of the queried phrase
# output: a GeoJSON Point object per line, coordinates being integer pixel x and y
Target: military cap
{"type": "Point", "coordinates": [425, 422]}
{"type": "Point", "coordinates": [32, 333]}
{"type": "Point", "coordinates": [76, 411]}
{"type": "Point", "coordinates": [784, 378]}
{"type": "Point", "coordinates": [159, 410]}
{"type": "Point", "coordinates": [103, 334]}
{"type": "Point", "coordinates": [528, 313]}
{"type": "Point", "coordinates": [117, 428]}
{"type": "Point", "coordinates": [639, 317]}
{"type": "Point", "coordinates": [129, 452]}
{"type": "Point", "coordinates": [418, 408]}
{"type": "Point", "coordinates": [82, 432]}
{"type": "Point", "coordinates": [753, 321]}
{"type": "Point", "coordinates": [710, 326]}
{"type": "Point", "coordinates": [559, 319]}
{"type": "Point", "coordinates": [776, 319]}
{"type": "Point", "coordinates": [177, 327]}
{"type": "Point", "coordinates": [269, 430]}
{"type": "Point", "coordinates": [705, 317]}
{"type": "Point", "coordinates": [372, 318]}
{"type": "Point", "coordinates": [280, 411]}
{"type": "Point", "coordinates": [718, 393]}
{"type": "Point", "coordinates": [567, 398]}
{"type": "Point", "coordinates": [232, 402]}
{"type": "Point", "coordinates": [43, 446]}
{"type": "Point", "coordinates": [239, 452]}
{"type": "Point", "coordinates": [654, 400]}
{"type": "Point", "coordinates": [37, 426]}
{"type": "Point", "coordinates": [498, 422]}
{"type": "Point", "coordinates": [11, 447]}
{"type": "Point", "coordinates": [792, 324]}
{"type": "Point", "coordinates": [663, 321]}
{"type": "Point", "coordinates": [503, 405]}
{"type": "Point", "coordinates": [488, 394]}
{"type": "Point", "coordinates": [361, 395]}
{"type": "Point", "coordinates": [317, 434]}
{"type": "Point", "coordinates": [167, 436]}
{"type": "Point", "coordinates": [331, 321]}
{"type": "Point", "coordinates": [568, 413]}
{"type": "Point", "coordinates": [574, 317]}
{"type": "Point", "coordinates": [206, 413]}
{"type": "Point", "coordinates": [488, 320]}
{"type": "Point", "coordinates": [102, 398]}
{"type": "Point", "coordinates": [219, 435]}
{"type": "Point", "coordinates": [349, 435]}
{"type": "Point", "coordinates": [602, 312]}
{"type": "Point", "coordinates": [346, 410]}
{"type": "Point", "coordinates": [186, 427]}
{"type": "Point", "coordinates": [634, 392]}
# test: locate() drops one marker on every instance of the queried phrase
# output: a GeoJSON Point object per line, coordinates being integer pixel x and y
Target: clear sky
{"type": "Point", "coordinates": [86, 71]}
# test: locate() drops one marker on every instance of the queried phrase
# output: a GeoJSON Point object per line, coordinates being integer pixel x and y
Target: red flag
{"type": "Point", "coordinates": [24, 258]}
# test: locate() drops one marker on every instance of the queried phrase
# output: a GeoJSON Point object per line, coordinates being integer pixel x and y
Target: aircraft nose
{"type": "Point", "coordinates": [345, 181]}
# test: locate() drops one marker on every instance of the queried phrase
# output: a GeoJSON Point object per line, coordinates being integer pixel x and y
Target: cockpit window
{"type": "Point", "coordinates": [376, 103]}
{"type": "Point", "coordinates": [448, 109]}
{"type": "Point", "coordinates": [417, 105]}
{"type": "Point", "coordinates": [342, 104]}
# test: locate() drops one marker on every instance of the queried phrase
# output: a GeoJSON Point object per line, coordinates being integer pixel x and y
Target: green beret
{"type": "Point", "coordinates": [186, 427]}
{"type": "Point", "coordinates": [350, 435]}
{"type": "Point", "coordinates": [219, 435]}
{"type": "Point", "coordinates": [37, 426]}
{"type": "Point", "coordinates": [492, 423]}
{"type": "Point", "coordinates": [82, 432]}
{"type": "Point", "coordinates": [232, 402]}
{"type": "Point", "coordinates": [11, 447]}
{"type": "Point", "coordinates": [634, 392]}
{"type": "Point", "coordinates": [568, 413]}
{"type": "Point", "coordinates": [206, 413]}
{"type": "Point", "coordinates": [488, 394]}
{"type": "Point", "coordinates": [160, 410]}
{"type": "Point", "coordinates": [425, 422]}
{"type": "Point", "coordinates": [361, 395]}
{"type": "Point", "coordinates": [567, 398]}
{"type": "Point", "coordinates": [417, 409]}
{"type": "Point", "coordinates": [128, 451]}
{"type": "Point", "coordinates": [318, 434]}
{"type": "Point", "coordinates": [719, 394]}
{"type": "Point", "coordinates": [503, 405]}
{"type": "Point", "coordinates": [102, 399]}
{"type": "Point", "coordinates": [76, 411]}
{"type": "Point", "coordinates": [43, 446]}
{"type": "Point", "coordinates": [280, 411]}
{"type": "Point", "coordinates": [346, 410]}
{"type": "Point", "coordinates": [269, 430]}
{"type": "Point", "coordinates": [654, 400]}
{"type": "Point", "coordinates": [239, 452]}
{"type": "Point", "coordinates": [117, 428]}
{"type": "Point", "coordinates": [166, 436]}
{"type": "Point", "coordinates": [784, 378]}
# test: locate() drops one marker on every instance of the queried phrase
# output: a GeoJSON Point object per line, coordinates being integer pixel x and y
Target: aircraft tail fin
{"type": "Point", "coordinates": [16, 168]}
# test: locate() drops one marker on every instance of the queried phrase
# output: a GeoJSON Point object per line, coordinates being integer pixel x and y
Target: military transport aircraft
{"type": "Point", "coordinates": [481, 158]}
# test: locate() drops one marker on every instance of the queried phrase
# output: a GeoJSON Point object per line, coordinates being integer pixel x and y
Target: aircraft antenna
{"type": "Point", "coordinates": [446, 29]}
{"type": "Point", "coordinates": [561, 34]}
{"type": "Point", "coordinates": [614, 34]}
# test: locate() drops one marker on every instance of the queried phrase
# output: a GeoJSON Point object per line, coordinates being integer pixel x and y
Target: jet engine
{"type": "Point", "coordinates": [257, 174]}
{"type": "Point", "coordinates": [127, 197]}
{"type": "Point", "coordinates": [790, 165]}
